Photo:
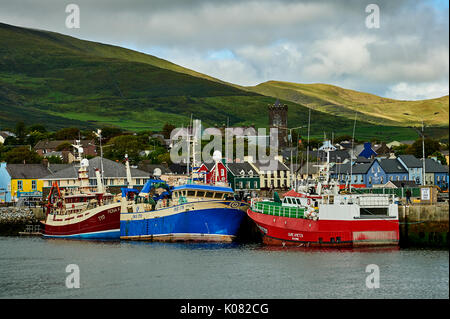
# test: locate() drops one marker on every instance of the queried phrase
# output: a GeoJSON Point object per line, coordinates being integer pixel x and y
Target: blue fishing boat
{"type": "Point", "coordinates": [189, 212]}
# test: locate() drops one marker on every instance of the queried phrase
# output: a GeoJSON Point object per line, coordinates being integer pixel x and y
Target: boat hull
{"type": "Point", "coordinates": [216, 222]}
{"type": "Point", "coordinates": [100, 223]}
{"type": "Point", "coordinates": [283, 231]}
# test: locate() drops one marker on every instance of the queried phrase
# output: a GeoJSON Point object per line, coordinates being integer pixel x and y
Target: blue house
{"type": "Point", "coordinates": [413, 166]}
{"type": "Point", "coordinates": [436, 173]}
{"type": "Point", "coordinates": [394, 170]}
{"type": "Point", "coordinates": [367, 174]}
{"type": "Point", "coordinates": [5, 184]}
{"type": "Point", "coordinates": [368, 152]}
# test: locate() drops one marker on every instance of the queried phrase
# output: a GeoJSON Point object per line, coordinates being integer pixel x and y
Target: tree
{"type": "Point", "coordinates": [22, 155]}
{"type": "Point", "coordinates": [20, 130]}
{"type": "Point", "coordinates": [69, 133]}
{"type": "Point", "coordinates": [37, 128]}
{"type": "Point", "coordinates": [167, 129]}
{"type": "Point", "coordinates": [55, 160]}
{"type": "Point", "coordinates": [416, 148]}
{"type": "Point", "coordinates": [118, 146]}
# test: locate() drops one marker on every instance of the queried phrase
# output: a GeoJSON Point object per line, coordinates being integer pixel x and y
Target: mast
{"type": "Point", "coordinates": [307, 148]}
{"type": "Point", "coordinates": [423, 156]}
{"type": "Point", "coordinates": [353, 153]}
{"type": "Point", "coordinates": [127, 166]}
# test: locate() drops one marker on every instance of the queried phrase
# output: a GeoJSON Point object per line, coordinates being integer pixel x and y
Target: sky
{"type": "Point", "coordinates": [247, 42]}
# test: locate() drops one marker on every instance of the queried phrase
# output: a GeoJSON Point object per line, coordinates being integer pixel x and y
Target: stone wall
{"type": "Point", "coordinates": [14, 220]}
{"type": "Point", "coordinates": [424, 225]}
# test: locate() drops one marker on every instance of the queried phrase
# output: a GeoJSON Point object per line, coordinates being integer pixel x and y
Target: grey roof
{"type": "Point", "coordinates": [358, 168]}
{"type": "Point", "coordinates": [431, 166]}
{"type": "Point", "coordinates": [111, 169]}
{"type": "Point", "coordinates": [390, 166]}
{"type": "Point", "coordinates": [150, 168]}
{"type": "Point", "coordinates": [312, 168]}
{"type": "Point", "coordinates": [335, 156]}
{"type": "Point", "coordinates": [236, 168]}
{"type": "Point", "coordinates": [27, 171]}
{"type": "Point", "coordinates": [47, 144]}
{"type": "Point", "coordinates": [362, 159]}
{"type": "Point", "coordinates": [273, 165]}
{"type": "Point", "coordinates": [53, 168]}
{"type": "Point", "coordinates": [410, 161]}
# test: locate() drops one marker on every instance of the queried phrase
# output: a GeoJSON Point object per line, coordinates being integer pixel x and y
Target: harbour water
{"type": "Point", "coordinates": [36, 268]}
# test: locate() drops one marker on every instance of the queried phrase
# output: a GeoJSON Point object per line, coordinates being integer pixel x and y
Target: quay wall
{"type": "Point", "coordinates": [424, 225]}
{"type": "Point", "coordinates": [15, 219]}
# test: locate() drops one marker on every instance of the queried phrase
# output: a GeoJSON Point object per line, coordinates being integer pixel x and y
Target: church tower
{"type": "Point", "coordinates": [278, 119]}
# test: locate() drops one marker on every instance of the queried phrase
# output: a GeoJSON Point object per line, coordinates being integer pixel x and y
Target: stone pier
{"type": "Point", "coordinates": [424, 225]}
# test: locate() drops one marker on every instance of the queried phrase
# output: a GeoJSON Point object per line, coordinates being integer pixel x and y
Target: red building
{"type": "Point", "coordinates": [210, 174]}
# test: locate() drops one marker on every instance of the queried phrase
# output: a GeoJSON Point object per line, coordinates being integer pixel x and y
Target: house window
{"type": "Point", "coordinates": [248, 185]}
{"type": "Point", "coordinates": [19, 185]}
{"type": "Point", "coordinates": [382, 179]}
{"type": "Point", "coordinates": [404, 178]}
{"type": "Point", "coordinates": [241, 185]}
{"type": "Point", "coordinates": [138, 181]}
{"type": "Point", "coordinates": [33, 185]}
{"type": "Point", "coordinates": [222, 172]}
{"type": "Point", "coordinates": [390, 178]}
{"type": "Point", "coordinates": [398, 177]}
{"type": "Point", "coordinates": [370, 179]}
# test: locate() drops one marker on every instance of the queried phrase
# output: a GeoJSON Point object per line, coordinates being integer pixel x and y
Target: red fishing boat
{"type": "Point", "coordinates": [82, 213]}
{"type": "Point", "coordinates": [327, 220]}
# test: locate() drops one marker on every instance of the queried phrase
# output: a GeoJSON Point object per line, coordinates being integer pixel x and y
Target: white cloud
{"type": "Point", "coordinates": [247, 42]}
{"type": "Point", "coordinates": [405, 91]}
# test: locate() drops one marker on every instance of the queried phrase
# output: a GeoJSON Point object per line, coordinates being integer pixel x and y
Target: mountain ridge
{"type": "Point", "coordinates": [62, 80]}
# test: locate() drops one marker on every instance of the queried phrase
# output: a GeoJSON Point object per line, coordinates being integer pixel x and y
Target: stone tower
{"type": "Point", "coordinates": [278, 119]}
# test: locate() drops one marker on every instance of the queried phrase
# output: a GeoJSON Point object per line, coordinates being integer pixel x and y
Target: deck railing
{"type": "Point", "coordinates": [278, 210]}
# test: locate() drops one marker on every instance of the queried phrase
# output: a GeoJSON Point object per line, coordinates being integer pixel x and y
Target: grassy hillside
{"type": "Point", "coordinates": [61, 81]}
{"type": "Point", "coordinates": [343, 102]}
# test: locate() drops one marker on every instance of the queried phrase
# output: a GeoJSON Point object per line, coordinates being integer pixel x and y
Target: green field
{"type": "Point", "coordinates": [60, 81]}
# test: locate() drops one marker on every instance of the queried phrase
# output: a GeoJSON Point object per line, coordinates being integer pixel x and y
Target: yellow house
{"type": "Point", "coordinates": [23, 181]}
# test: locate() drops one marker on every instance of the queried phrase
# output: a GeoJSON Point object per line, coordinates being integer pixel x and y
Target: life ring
{"type": "Point", "coordinates": [309, 201]}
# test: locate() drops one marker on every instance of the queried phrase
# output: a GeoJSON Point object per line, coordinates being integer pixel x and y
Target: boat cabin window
{"type": "Point", "coordinates": [190, 193]}
{"type": "Point", "coordinates": [200, 193]}
{"type": "Point", "coordinates": [218, 195]}
{"type": "Point", "coordinates": [209, 194]}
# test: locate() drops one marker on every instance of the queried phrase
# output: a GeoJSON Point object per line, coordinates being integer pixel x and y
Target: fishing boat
{"type": "Point", "coordinates": [189, 212]}
{"type": "Point", "coordinates": [320, 214]}
{"type": "Point", "coordinates": [328, 220]}
{"type": "Point", "coordinates": [82, 213]}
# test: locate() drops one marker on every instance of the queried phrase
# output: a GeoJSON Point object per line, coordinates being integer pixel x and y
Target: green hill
{"type": "Point", "coordinates": [61, 81]}
{"type": "Point", "coordinates": [343, 102]}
